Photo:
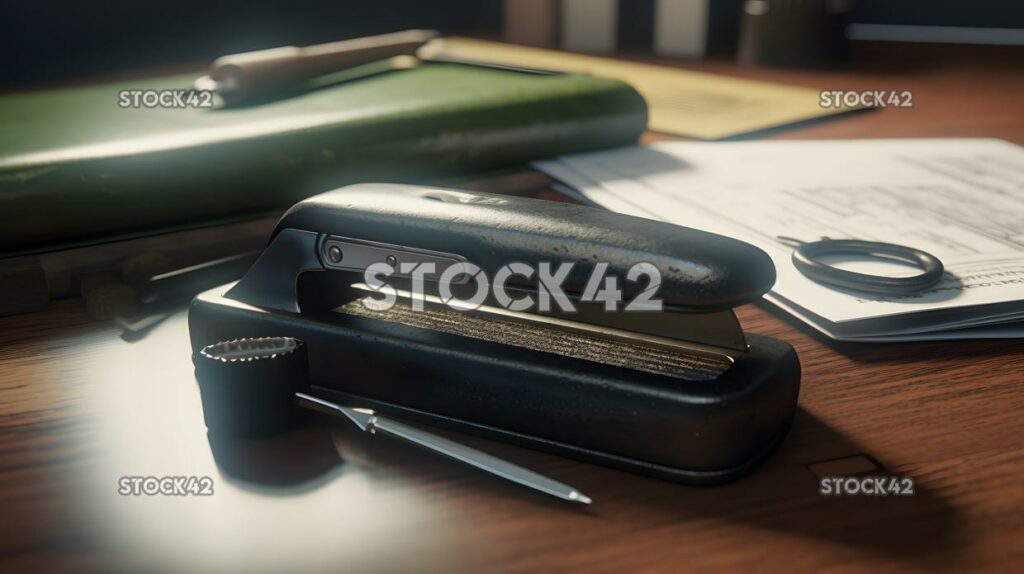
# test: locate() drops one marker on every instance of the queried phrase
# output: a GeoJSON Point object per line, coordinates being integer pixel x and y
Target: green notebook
{"type": "Point", "coordinates": [75, 168]}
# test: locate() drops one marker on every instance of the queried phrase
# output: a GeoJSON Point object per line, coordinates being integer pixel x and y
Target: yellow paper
{"type": "Point", "coordinates": [681, 102]}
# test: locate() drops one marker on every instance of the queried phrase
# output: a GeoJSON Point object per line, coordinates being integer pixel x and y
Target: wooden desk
{"type": "Point", "coordinates": [82, 408]}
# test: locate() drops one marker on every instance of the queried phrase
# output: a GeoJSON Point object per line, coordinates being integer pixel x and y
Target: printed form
{"type": "Point", "coordinates": [961, 200]}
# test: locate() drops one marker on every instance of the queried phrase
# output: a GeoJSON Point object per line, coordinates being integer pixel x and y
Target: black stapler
{"type": "Point", "coordinates": [680, 393]}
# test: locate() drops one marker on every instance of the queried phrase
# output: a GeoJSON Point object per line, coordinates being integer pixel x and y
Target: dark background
{"type": "Point", "coordinates": [48, 41]}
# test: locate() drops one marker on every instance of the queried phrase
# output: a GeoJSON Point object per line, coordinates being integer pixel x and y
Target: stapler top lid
{"type": "Point", "coordinates": [700, 272]}
{"type": "Point", "coordinates": [700, 276]}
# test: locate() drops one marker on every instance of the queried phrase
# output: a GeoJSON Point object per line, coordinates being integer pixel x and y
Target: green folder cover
{"type": "Point", "coordinates": [76, 168]}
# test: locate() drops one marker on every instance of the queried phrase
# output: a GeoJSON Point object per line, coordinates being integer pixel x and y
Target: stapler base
{"type": "Point", "coordinates": [694, 427]}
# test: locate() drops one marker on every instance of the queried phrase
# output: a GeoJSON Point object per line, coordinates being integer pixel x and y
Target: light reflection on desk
{"type": "Point", "coordinates": [308, 498]}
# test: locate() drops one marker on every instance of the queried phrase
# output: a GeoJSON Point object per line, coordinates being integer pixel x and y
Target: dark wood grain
{"type": "Point", "coordinates": [81, 407]}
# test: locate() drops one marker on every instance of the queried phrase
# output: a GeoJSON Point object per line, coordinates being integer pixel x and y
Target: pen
{"type": "Point", "coordinates": [264, 74]}
{"type": "Point", "coordinates": [368, 421]}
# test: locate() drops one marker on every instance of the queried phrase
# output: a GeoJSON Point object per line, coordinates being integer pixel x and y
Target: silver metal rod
{"type": "Point", "coordinates": [369, 421]}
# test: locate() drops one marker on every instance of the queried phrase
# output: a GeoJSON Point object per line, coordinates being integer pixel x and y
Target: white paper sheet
{"type": "Point", "coordinates": [959, 199]}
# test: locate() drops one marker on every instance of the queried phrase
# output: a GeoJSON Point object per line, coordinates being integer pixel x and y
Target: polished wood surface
{"type": "Point", "coordinates": [81, 408]}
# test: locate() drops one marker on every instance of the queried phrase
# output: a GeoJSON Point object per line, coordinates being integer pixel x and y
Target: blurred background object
{"type": "Point", "coordinates": [50, 41]}
{"type": "Point", "coordinates": [798, 33]}
{"type": "Point", "coordinates": [531, 22]}
{"type": "Point", "coordinates": [590, 26]}
{"type": "Point", "coordinates": [681, 28]}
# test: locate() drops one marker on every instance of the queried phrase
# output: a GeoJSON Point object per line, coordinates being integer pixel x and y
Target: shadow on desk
{"type": "Point", "coordinates": [782, 495]}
